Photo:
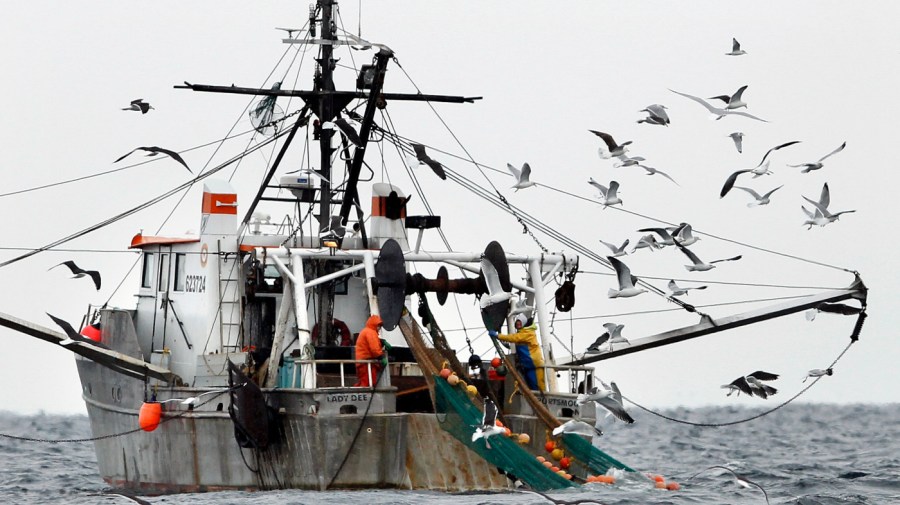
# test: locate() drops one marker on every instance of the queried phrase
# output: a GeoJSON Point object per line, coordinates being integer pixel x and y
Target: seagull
{"type": "Point", "coordinates": [739, 479]}
{"type": "Point", "coordinates": [663, 234]}
{"type": "Point", "coordinates": [192, 400]}
{"type": "Point", "coordinates": [602, 339]}
{"type": "Point", "coordinates": [822, 216]}
{"type": "Point", "coordinates": [521, 176]}
{"type": "Point", "coordinates": [684, 234]}
{"type": "Point", "coordinates": [617, 251]}
{"type": "Point", "coordinates": [348, 131]}
{"type": "Point", "coordinates": [833, 308]}
{"type": "Point", "coordinates": [656, 114]}
{"type": "Point", "coordinates": [577, 427]}
{"type": "Point", "coordinates": [626, 282]}
{"type": "Point", "coordinates": [78, 272]}
{"type": "Point", "coordinates": [818, 372]}
{"type": "Point", "coordinates": [628, 161]}
{"type": "Point", "coordinates": [750, 384]}
{"type": "Point", "coordinates": [607, 195]}
{"type": "Point", "coordinates": [73, 336]}
{"type": "Point", "coordinates": [678, 290]}
{"type": "Point", "coordinates": [736, 48]}
{"type": "Point", "coordinates": [423, 157]}
{"type": "Point", "coordinates": [615, 335]}
{"type": "Point", "coordinates": [609, 399]}
{"type": "Point", "coordinates": [153, 150]}
{"type": "Point", "coordinates": [760, 200]}
{"type": "Point", "coordinates": [139, 105]}
{"type": "Point", "coordinates": [716, 111]}
{"type": "Point", "coordinates": [647, 241]}
{"type": "Point", "coordinates": [737, 138]}
{"type": "Point", "coordinates": [809, 167]}
{"type": "Point", "coordinates": [654, 171]}
{"type": "Point", "coordinates": [612, 149]}
{"type": "Point", "coordinates": [734, 101]}
{"type": "Point", "coordinates": [698, 264]}
{"type": "Point", "coordinates": [759, 170]}
{"type": "Point", "coordinates": [488, 426]}
{"type": "Point", "coordinates": [495, 292]}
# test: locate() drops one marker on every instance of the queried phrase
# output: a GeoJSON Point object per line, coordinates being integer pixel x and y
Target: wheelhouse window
{"type": "Point", "coordinates": [147, 275]}
{"type": "Point", "coordinates": [163, 272]}
{"type": "Point", "coordinates": [180, 275]}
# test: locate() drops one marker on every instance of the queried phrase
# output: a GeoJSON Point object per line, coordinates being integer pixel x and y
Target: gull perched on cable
{"type": "Point", "coordinates": [760, 199]}
{"type": "Point", "coordinates": [758, 171]}
{"type": "Point", "coordinates": [737, 138]}
{"type": "Point", "coordinates": [656, 114]}
{"type": "Point", "coordinates": [648, 242]}
{"type": "Point", "coordinates": [684, 234]}
{"type": "Point", "coordinates": [677, 290]}
{"type": "Point", "coordinates": [521, 176]}
{"type": "Point", "coordinates": [809, 167]}
{"type": "Point", "coordinates": [818, 372]}
{"type": "Point", "coordinates": [654, 171]}
{"type": "Point", "coordinates": [739, 479]}
{"type": "Point", "coordinates": [78, 272]}
{"type": "Point", "coordinates": [698, 264]}
{"type": "Point", "coordinates": [139, 105]}
{"type": "Point", "coordinates": [734, 101]}
{"type": "Point", "coordinates": [609, 399]}
{"type": "Point", "coordinates": [626, 281]}
{"type": "Point", "coordinates": [716, 111]}
{"type": "Point", "coordinates": [153, 150]}
{"type": "Point", "coordinates": [610, 149]}
{"type": "Point", "coordinates": [608, 195]}
{"type": "Point", "coordinates": [617, 251]}
{"type": "Point", "coordinates": [488, 427]}
{"type": "Point", "coordinates": [736, 48]}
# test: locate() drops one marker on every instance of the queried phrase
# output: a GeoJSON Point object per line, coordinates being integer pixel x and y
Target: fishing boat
{"type": "Point", "coordinates": [236, 367]}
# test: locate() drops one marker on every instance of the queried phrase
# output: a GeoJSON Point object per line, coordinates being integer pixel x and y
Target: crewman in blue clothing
{"type": "Point", "coordinates": [528, 351]}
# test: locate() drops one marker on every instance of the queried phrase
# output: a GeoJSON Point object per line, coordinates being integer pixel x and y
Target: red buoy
{"type": "Point", "coordinates": [92, 331]}
{"type": "Point", "coordinates": [150, 414]}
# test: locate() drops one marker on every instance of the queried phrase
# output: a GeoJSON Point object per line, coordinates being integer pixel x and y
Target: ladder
{"type": "Point", "coordinates": [229, 300]}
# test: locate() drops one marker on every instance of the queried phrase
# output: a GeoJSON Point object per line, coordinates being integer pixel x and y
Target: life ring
{"type": "Point", "coordinates": [204, 255]}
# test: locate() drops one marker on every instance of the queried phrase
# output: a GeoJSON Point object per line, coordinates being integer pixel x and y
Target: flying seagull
{"type": "Point", "coordinates": [615, 335]}
{"type": "Point", "coordinates": [609, 399]}
{"type": "Point", "coordinates": [647, 241]}
{"type": "Point", "coordinates": [750, 384]}
{"type": "Point", "coordinates": [602, 339]}
{"type": "Point", "coordinates": [73, 336]}
{"type": "Point", "coordinates": [628, 161]}
{"type": "Point", "coordinates": [656, 114]}
{"type": "Point", "coordinates": [153, 150]}
{"type": "Point", "coordinates": [833, 308]}
{"type": "Point", "coordinates": [737, 138]}
{"type": "Point", "coordinates": [78, 272]}
{"type": "Point", "coordinates": [822, 216]}
{"type": "Point", "coordinates": [809, 167]}
{"type": "Point", "coordinates": [716, 111]}
{"type": "Point", "coordinates": [654, 171]}
{"type": "Point", "coordinates": [577, 427]}
{"type": "Point", "coordinates": [698, 264]}
{"type": "Point", "coordinates": [192, 400]}
{"type": "Point", "coordinates": [739, 479]}
{"type": "Point", "coordinates": [139, 105]}
{"type": "Point", "coordinates": [760, 199]}
{"type": "Point", "coordinates": [818, 372]}
{"type": "Point", "coordinates": [488, 427]}
{"type": "Point", "coordinates": [626, 281]}
{"type": "Point", "coordinates": [758, 171]}
{"type": "Point", "coordinates": [677, 290]}
{"type": "Point", "coordinates": [663, 234]}
{"type": "Point", "coordinates": [736, 48]}
{"type": "Point", "coordinates": [423, 157]}
{"type": "Point", "coordinates": [612, 149]}
{"type": "Point", "coordinates": [683, 233]}
{"type": "Point", "coordinates": [617, 251]}
{"type": "Point", "coordinates": [522, 176]}
{"type": "Point", "coordinates": [495, 291]}
{"type": "Point", "coordinates": [734, 101]}
{"type": "Point", "coordinates": [608, 195]}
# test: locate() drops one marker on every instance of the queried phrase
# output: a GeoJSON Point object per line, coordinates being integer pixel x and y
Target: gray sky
{"type": "Point", "coordinates": [820, 72]}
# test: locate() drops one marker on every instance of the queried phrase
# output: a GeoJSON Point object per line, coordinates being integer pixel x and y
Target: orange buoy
{"type": "Point", "coordinates": [445, 373]}
{"type": "Point", "coordinates": [561, 473]}
{"type": "Point", "coordinates": [557, 454]}
{"type": "Point", "coordinates": [548, 464]}
{"type": "Point", "coordinates": [92, 331]}
{"type": "Point", "coordinates": [673, 486]}
{"type": "Point", "coordinates": [524, 438]}
{"type": "Point", "coordinates": [541, 459]}
{"type": "Point", "coordinates": [555, 469]}
{"type": "Point", "coordinates": [496, 362]}
{"type": "Point", "coordinates": [149, 416]}
{"type": "Point", "coordinates": [498, 423]}
{"type": "Point", "coordinates": [659, 478]}
{"type": "Point", "coordinates": [564, 463]}
{"type": "Point", "coordinates": [453, 379]}
{"type": "Point", "coordinates": [508, 432]}
{"type": "Point", "coordinates": [660, 485]}
{"type": "Point", "coordinates": [550, 445]}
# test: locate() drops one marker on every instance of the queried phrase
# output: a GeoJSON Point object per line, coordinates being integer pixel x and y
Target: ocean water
{"type": "Point", "coordinates": [802, 454]}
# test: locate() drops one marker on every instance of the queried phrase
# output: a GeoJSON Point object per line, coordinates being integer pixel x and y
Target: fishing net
{"type": "Point", "coordinates": [459, 416]}
{"type": "Point", "coordinates": [582, 450]}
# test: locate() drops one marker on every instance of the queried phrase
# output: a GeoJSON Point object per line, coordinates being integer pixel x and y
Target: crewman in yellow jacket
{"type": "Point", "coordinates": [528, 351]}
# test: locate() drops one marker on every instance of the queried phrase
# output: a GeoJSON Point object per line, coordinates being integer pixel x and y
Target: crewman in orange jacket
{"type": "Point", "coordinates": [369, 346]}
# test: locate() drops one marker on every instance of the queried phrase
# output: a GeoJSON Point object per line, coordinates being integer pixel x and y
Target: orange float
{"type": "Point", "coordinates": [453, 379]}
{"type": "Point", "coordinates": [550, 445]}
{"type": "Point", "coordinates": [557, 454]}
{"type": "Point", "coordinates": [673, 486]}
{"type": "Point", "coordinates": [445, 373]}
{"type": "Point", "coordinates": [149, 415]}
{"type": "Point", "coordinates": [495, 362]}
{"type": "Point", "coordinates": [564, 462]}
{"type": "Point", "coordinates": [660, 485]}
{"type": "Point", "coordinates": [524, 438]}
